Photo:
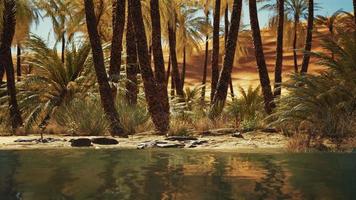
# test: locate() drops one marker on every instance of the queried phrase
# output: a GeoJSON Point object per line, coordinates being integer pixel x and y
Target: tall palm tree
{"type": "Point", "coordinates": [26, 15]}
{"type": "Point", "coordinates": [297, 9]}
{"type": "Point", "coordinates": [160, 73]}
{"type": "Point", "coordinates": [226, 24]}
{"type": "Point", "coordinates": [118, 24]}
{"type": "Point", "coordinates": [7, 35]}
{"type": "Point", "coordinates": [206, 30]}
{"type": "Point", "coordinates": [223, 83]}
{"type": "Point", "coordinates": [107, 99]}
{"type": "Point", "coordinates": [172, 40]}
{"type": "Point", "coordinates": [309, 39]}
{"type": "Point", "coordinates": [60, 13]}
{"type": "Point", "coordinates": [156, 103]}
{"type": "Point", "coordinates": [260, 58]}
{"type": "Point", "coordinates": [215, 56]}
{"type": "Point", "coordinates": [132, 67]}
{"type": "Point", "coordinates": [279, 51]}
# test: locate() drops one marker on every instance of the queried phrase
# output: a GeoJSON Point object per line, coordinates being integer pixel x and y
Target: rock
{"type": "Point", "coordinates": [170, 145]}
{"type": "Point", "coordinates": [25, 140]}
{"type": "Point", "coordinates": [196, 143]}
{"type": "Point", "coordinates": [238, 135]}
{"type": "Point", "coordinates": [81, 142]}
{"type": "Point", "coordinates": [104, 141]}
{"type": "Point", "coordinates": [181, 138]}
{"type": "Point", "coordinates": [149, 144]}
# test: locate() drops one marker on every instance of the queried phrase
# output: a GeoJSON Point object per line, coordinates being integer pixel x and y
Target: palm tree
{"type": "Point", "coordinates": [297, 8]}
{"type": "Point", "coordinates": [329, 23]}
{"type": "Point", "coordinates": [160, 73]}
{"type": "Point", "coordinates": [223, 83]}
{"type": "Point", "coordinates": [156, 103]}
{"type": "Point", "coordinates": [7, 35]}
{"type": "Point", "coordinates": [279, 51]}
{"type": "Point", "coordinates": [215, 56]}
{"type": "Point", "coordinates": [189, 24]}
{"type": "Point", "coordinates": [53, 83]}
{"type": "Point", "coordinates": [173, 55]}
{"type": "Point", "coordinates": [60, 13]}
{"type": "Point", "coordinates": [260, 58]}
{"type": "Point", "coordinates": [26, 15]}
{"type": "Point", "coordinates": [226, 18]}
{"type": "Point", "coordinates": [309, 39]}
{"type": "Point", "coordinates": [107, 99]}
{"type": "Point", "coordinates": [132, 67]}
{"type": "Point", "coordinates": [206, 29]}
{"type": "Point", "coordinates": [118, 24]}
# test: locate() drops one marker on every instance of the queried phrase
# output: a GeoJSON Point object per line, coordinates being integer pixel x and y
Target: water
{"type": "Point", "coordinates": [174, 174]}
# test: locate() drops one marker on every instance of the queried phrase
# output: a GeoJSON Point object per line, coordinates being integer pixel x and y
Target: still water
{"type": "Point", "coordinates": [174, 174]}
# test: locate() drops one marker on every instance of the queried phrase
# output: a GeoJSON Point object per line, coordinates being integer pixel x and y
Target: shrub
{"type": "Point", "coordinates": [325, 103]}
{"type": "Point", "coordinates": [83, 117]}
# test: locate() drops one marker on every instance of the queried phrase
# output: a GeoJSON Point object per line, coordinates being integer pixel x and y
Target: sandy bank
{"type": "Point", "coordinates": [253, 140]}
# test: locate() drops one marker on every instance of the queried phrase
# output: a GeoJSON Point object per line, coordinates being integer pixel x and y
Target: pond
{"type": "Point", "coordinates": [175, 174]}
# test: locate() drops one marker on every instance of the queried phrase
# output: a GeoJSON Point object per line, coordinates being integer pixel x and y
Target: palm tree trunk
{"type": "Point", "coordinates": [118, 24]}
{"type": "Point", "coordinates": [215, 56]}
{"type": "Point", "coordinates": [175, 70]}
{"type": "Point", "coordinates": [156, 106]}
{"type": "Point", "coordinates": [132, 67]}
{"type": "Point", "coordinates": [160, 72]}
{"type": "Point", "coordinates": [205, 67]}
{"type": "Point", "coordinates": [2, 73]}
{"type": "Point", "coordinates": [9, 25]}
{"type": "Point", "coordinates": [226, 35]}
{"type": "Point", "coordinates": [18, 62]}
{"type": "Point", "coordinates": [168, 70]}
{"type": "Point", "coordinates": [63, 46]}
{"type": "Point", "coordinates": [309, 39]}
{"type": "Point", "coordinates": [107, 99]}
{"type": "Point", "coordinates": [354, 4]}
{"type": "Point", "coordinates": [184, 69]}
{"type": "Point", "coordinates": [279, 56]}
{"type": "Point", "coordinates": [223, 83]}
{"type": "Point", "coordinates": [295, 39]}
{"type": "Point", "coordinates": [260, 58]}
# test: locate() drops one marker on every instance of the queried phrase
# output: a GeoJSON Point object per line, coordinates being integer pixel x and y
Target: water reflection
{"type": "Point", "coordinates": [174, 174]}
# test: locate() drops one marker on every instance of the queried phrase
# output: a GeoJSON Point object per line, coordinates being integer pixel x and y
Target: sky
{"type": "Point", "coordinates": [44, 29]}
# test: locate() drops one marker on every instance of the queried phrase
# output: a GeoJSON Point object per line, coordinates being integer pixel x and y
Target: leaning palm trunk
{"type": "Point", "coordinates": [215, 56]}
{"type": "Point", "coordinates": [160, 73]}
{"type": "Point", "coordinates": [260, 58]}
{"type": "Point", "coordinates": [173, 54]}
{"type": "Point", "coordinates": [9, 24]}
{"type": "Point", "coordinates": [205, 69]}
{"type": "Point", "coordinates": [226, 35]}
{"type": "Point", "coordinates": [223, 83]}
{"type": "Point", "coordinates": [156, 103]}
{"type": "Point", "coordinates": [18, 62]}
{"type": "Point", "coordinates": [2, 73]}
{"type": "Point", "coordinates": [309, 39]}
{"type": "Point", "coordinates": [132, 67]}
{"type": "Point", "coordinates": [295, 39]}
{"type": "Point", "coordinates": [118, 23]}
{"type": "Point", "coordinates": [107, 99]}
{"type": "Point", "coordinates": [279, 56]}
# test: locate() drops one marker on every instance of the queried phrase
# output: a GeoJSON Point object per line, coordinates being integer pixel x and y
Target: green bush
{"type": "Point", "coordinates": [83, 117]}
{"type": "Point", "coordinates": [323, 105]}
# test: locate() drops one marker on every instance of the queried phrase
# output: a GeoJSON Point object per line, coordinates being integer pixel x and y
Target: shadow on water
{"type": "Point", "coordinates": [174, 174]}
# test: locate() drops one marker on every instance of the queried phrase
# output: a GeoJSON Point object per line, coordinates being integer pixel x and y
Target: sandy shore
{"type": "Point", "coordinates": [254, 140]}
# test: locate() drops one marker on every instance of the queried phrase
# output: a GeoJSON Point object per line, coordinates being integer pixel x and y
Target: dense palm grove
{"type": "Point", "coordinates": [121, 68]}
